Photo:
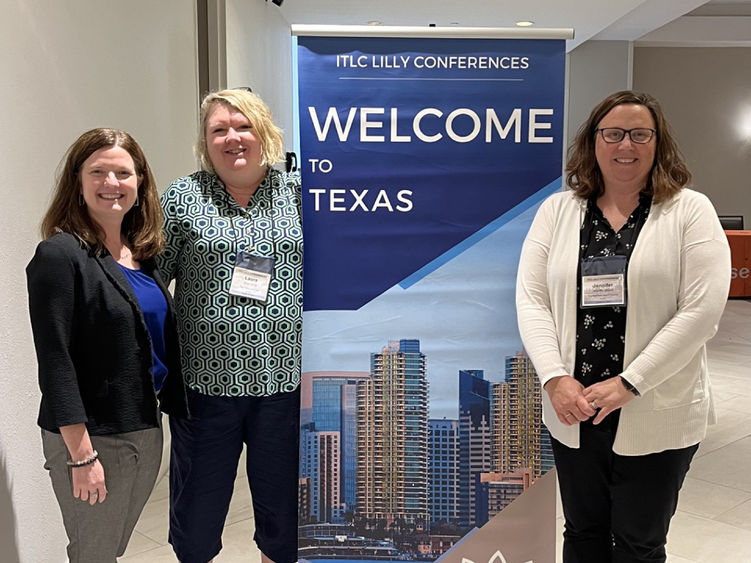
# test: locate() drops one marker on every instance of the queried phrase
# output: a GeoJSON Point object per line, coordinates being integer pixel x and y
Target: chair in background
{"type": "Point", "coordinates": [731, 222]}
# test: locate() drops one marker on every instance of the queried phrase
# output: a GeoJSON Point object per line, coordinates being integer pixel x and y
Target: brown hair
{"type": "Point", "coordinates": [142, 224]}
{"type": "Point", "coordinates": [669, 173]}
{"type": "Point", "coordinates": [259, 115]}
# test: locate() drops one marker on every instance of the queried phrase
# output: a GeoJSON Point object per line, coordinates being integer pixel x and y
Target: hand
{"type": "Point", "coordinates": [608, 395]}
{"type": "Point", "coordinates": [567, 396]}
{"type": "Point", "coordinates": [88, 483]}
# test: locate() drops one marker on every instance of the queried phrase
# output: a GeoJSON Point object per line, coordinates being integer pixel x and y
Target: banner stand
{"type": "Point", "coordinates": [424, 154]}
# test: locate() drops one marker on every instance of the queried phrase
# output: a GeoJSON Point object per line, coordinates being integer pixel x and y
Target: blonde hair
{"type": "Point", "coordinates": [259, 115]}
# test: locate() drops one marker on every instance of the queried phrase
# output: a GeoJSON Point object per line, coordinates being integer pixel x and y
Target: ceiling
{"type": "Point", "coordinates": [652, 22]}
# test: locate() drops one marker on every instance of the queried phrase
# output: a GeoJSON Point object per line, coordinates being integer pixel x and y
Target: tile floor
{"type": "Point", "coordinates": [713, 522]}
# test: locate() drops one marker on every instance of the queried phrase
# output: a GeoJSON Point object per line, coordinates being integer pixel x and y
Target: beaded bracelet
{"type": "Point", "coordinates": [88, 461]}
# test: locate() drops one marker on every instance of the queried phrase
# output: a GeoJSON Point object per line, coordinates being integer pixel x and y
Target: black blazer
{"type": "Point", "coordinates": [92, 344]}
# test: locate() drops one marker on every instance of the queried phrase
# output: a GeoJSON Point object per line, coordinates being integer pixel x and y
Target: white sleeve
{"type": "Point", "coordinates": [701, 299]}
{"type": "Point", "coordinates": [533, 299]}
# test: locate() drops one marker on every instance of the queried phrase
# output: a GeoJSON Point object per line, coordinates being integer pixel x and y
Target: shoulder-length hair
{"type": "Point", "coordinates": [669, 172]}
{"type": "Point", "coordinates": [259, 115]}
{"type": "Point", "coordinates": [142, 224]}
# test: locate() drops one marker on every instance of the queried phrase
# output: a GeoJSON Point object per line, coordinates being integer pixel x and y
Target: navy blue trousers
{"type": "Point", "coordinates": [617, 508]}
{"type": "Point", "coordinates": [203, 466]}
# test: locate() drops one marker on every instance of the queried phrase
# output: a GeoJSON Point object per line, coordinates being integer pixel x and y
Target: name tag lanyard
{"type": "Point", "coordinates": [252, 274]}
{"type": "Point", "coordinates": [603, 278]}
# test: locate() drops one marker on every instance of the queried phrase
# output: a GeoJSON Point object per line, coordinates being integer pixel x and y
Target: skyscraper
{"type": "Point", "coordinates": [334, 409]}
{"type": "Point", "coordinates": [392, 437]}
{"type": "Point", "coordinates": [322, 467]}
{"type": "Point", "coordinates": [474, 439]}
{"type": "Point", "coordinates": [519, 438]}
{"type": "Point", "coordinates": [444, 471]}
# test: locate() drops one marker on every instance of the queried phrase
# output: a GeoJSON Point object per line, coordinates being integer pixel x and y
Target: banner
{"type": "Point", "coordinates": [423, 161]}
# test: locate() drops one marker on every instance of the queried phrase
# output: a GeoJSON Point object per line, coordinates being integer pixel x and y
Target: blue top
{"type": "Point", "coordinates": [154, 309]}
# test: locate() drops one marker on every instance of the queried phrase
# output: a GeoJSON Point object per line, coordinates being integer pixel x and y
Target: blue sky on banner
{"type": "Point", "coordinates": [413, 148]}
{"type": "Point", "coordinates": [462, 312]}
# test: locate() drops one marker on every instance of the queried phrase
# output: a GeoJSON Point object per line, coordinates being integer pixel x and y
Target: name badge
{"type": "Point", "coordinates": [603, 281]}
{"type": "Point", "coordinates": [252, 276]}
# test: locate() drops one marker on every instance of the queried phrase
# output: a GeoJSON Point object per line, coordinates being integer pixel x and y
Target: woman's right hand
{"type": "Point", "coordinates": [88, 483]}
{"type": "Point", "coordinates": [567, 396]}
{"type": "Point", "coordinates": [88, 480]}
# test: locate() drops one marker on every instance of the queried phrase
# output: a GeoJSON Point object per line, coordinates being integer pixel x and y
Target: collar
{"type": "Point", "coordinates": [219, 190]}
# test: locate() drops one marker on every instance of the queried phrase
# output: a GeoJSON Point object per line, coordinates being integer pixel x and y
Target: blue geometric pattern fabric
{"type": "Point", "coordinates": [235, 346]}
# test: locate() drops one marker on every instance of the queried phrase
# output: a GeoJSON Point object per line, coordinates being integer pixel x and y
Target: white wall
{"type": "Point", "coordinates": [67, 67]}
{"type": "Point", "coordinates": [706, 96]}
{"type": "Point", "coordinates": [704, 92]}
{"type": "Point", "coordinates": [259, 55]}
{"type": "Point", "coordinates": [595, 70]}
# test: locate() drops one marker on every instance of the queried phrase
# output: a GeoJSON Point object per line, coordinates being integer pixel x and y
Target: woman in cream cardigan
{"type": "Point", "coordinates": [622, 281]}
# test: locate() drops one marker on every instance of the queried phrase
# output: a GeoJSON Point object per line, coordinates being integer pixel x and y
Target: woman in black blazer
{"type": "Point", "coordinates": [107, 349]}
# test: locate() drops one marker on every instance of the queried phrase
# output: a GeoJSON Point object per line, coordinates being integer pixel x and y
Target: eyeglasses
{"type": "Point", "coordinates": [616, 134]}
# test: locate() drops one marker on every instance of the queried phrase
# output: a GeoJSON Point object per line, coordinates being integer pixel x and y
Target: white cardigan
{"type": "Point", "coordinates": [678, 282]}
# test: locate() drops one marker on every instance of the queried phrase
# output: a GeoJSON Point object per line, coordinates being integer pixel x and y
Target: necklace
{"type": "Point", "coordinates": [123, 254]}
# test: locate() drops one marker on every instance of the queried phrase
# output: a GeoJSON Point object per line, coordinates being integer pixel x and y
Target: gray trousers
{"type": "Point", "coordinates": [100, 533]}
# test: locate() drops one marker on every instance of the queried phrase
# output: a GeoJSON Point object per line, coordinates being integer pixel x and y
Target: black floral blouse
{"type": "Point", "coordinates": [600, 331]}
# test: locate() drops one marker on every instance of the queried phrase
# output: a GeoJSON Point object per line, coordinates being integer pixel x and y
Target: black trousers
{"type": "Point", "coordinates": [617, 508]}
{"type": "Point", "coordinates": [203, 465]}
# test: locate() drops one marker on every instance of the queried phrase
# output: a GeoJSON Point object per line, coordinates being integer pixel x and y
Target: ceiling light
{"type": "Point", "coordinates": [374, 22]}
{"type": "Point", "coordinates": [525, 23]}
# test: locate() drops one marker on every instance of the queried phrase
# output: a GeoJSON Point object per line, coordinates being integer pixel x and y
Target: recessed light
{"type": "Point", "coordinates": [525, 23]}
{"type": "Point", "coordinates": [374, 22]}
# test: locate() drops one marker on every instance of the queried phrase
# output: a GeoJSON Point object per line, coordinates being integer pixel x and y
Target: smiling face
{"type": "Point", "coordinates": [232, 147]}
{"type": "Point", "coordinates": [109, 184]}
{"type": "Point", "coordinates": [626, 164]}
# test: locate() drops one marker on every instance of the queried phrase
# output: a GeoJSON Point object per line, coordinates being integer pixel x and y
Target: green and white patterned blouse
{"type": "Point", "coordinates": [235, 346]}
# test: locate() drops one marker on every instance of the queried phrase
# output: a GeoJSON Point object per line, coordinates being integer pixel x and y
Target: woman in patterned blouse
{"type": "Point", "coordinates": [234, 249]}
{"type": "Point", "coordinates": [622, 281]}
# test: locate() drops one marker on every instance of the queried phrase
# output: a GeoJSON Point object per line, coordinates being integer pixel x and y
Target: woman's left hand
{"type": "Point", "coordinates": [607, 396]}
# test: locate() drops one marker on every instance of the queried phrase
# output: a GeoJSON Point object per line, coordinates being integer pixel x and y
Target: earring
{"type": "Point", "coordinates": [80, 200]}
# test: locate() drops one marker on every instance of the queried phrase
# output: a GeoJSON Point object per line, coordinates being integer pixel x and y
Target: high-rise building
{"type": "Point", "coordinates": [348, 433]}
{"type": "Point", "coordinates": [392, 437]}
{"type": "Point", "coordinates": [501, 427]}
{"type": "Point", "coordinates": [519, 438]}
{"type": "Point", "coordinates": [444, 471]}
{"type": "Point", "coordinates": [306, 454]}
{"type": "Point", "coordinates": [322, 467]}
{"type": "Point", "coordinates": [334, 403]}
{"type": "Point", "coordinates": [327, 403]}
{"type": "Point", "coordinates": [474, 439]}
